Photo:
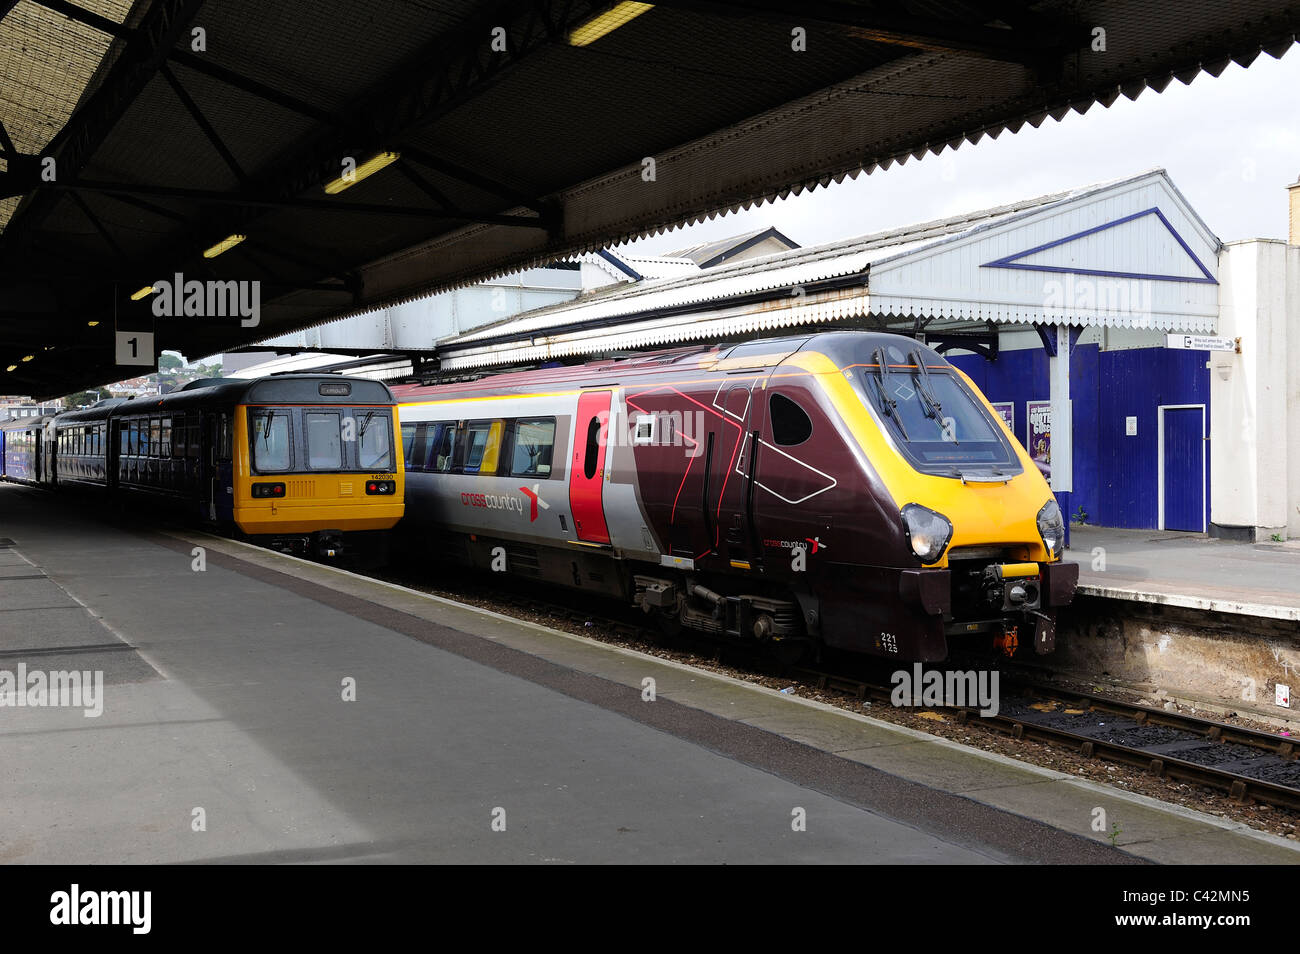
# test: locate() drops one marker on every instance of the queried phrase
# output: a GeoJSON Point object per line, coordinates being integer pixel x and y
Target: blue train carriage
{"type": "Point", "coordinates": [24, 451]}
{"type": "Point", "coordinates": [80, 447]}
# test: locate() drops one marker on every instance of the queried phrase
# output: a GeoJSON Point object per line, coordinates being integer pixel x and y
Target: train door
{"type": "Point", "coordinates": [211, 440]}
{"type": "Point", "coordinates": [45, 459]}
{"type": "Point", "coordinates": [729, 497]}
{"type": "Point", "coordinates": [587, 469]}
{"type": "Point", "coordinates": [112, 453]}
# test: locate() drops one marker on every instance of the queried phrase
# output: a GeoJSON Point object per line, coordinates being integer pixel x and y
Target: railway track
{"type": "Point", "coordinates": [1245, 764]}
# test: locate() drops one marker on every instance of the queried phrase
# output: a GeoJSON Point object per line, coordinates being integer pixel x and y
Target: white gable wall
{"type": "Point", "coordinates": [954, 279]}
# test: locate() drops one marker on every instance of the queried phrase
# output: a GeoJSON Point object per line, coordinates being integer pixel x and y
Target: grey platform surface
{"type": "Point", "coordinates": [1189, 569]}
{"type": "Point", "coordinates": [226, 736]}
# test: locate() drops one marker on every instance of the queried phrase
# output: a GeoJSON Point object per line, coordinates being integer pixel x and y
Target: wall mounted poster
{"type": "Point", "coordinates": [1007, 409]}
{"type": "Point", "coordinates": [1038, 431]}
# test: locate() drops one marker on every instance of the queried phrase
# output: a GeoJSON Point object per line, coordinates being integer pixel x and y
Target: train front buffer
{"type": "Point", "coordinates": [976, 601]}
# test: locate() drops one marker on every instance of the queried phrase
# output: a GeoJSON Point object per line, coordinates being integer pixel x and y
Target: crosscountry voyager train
{"type": "Point", "coordinates": [304, 463]}
{"type": "Point", "coordinates": [846, 489]}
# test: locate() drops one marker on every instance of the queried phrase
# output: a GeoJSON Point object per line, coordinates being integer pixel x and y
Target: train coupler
{"type": "Point", "coordinates": [1008, 641]}
{"type": "Point", "coordinates": [329, 544]}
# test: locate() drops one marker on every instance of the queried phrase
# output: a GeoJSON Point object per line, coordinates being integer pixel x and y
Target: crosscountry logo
{"type": "Point", "coordinates": [535, 500]}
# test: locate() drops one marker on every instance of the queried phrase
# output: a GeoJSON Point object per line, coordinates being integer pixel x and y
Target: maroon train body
{"type": "Point", "coordinates": [849, 489]}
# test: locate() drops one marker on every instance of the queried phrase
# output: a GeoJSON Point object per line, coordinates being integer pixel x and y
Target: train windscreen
{"type": "Point", "coordinates": [305, 440]}
{"type": "Point", "coordinates": [935, 419]}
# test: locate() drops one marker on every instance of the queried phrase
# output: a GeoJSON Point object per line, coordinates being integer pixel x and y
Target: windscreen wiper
{"type": "Point", "coordinates": [921, 376]}
{"type": "Point", "coordinates": [365, 423]}
{"type": "Point", "coordinates": [889, 404]}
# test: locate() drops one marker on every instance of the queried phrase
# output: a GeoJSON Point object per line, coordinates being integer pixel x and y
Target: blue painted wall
{"type": "Point", "coordinates": [1115, 476]}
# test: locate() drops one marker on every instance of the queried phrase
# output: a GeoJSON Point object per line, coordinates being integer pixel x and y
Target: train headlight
{"type": "Point", "coordinates": [268, 490]}
{"type": "Point", "coordinates": [1051, 526]}
{"type": "Point", "coordinates": [927, 531]}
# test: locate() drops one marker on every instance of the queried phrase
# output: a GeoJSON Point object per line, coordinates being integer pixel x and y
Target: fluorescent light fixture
{"type": "Point", "coordinates": [366, 169]}
{"type": "Point", "coordinates": [28, 357]}
{"type": "Point", "coordinates": [12, 367]}
{"type": "Point", "coordinates": [225, 245]}
{"type": "Point", "coordinates": [93, 324]}
{"type": "Point", "coordinates": [593, 29]}
{"type": "Point", "coordinates": [147, 290]}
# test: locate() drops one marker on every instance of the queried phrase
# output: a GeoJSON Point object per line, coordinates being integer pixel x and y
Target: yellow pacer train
{"type": "Point", "coordinates": [309, 464]}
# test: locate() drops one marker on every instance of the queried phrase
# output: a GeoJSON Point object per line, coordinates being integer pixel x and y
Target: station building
{"type": "Point", "coordinates": [1092, 319]}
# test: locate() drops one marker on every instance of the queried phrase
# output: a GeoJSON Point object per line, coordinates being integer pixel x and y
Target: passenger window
{"type": "Point", "coordinates": [374, 447]}
{"type": "Point", "coordinates": [324, 441]}
{"type": "Point", "coordinates": [534, 446]}
{"type": "Point", "coordinates": [271, 449]}
{"type": "Point", "coordinates": [790, 423]}
{"type": "Point", "coordinates": [165, 445]}
{"type": "Point", "coordinates": [441, 444]}
{"type": "Point", "coordinates": [155, 438]}
{"type": "Point", "coordinates": [476, 442]}
{"type": "Point", "coordinates": [593, 448]}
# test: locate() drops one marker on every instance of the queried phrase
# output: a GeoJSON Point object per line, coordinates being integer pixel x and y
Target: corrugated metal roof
{"type": "Point", "coordinates": [633, 316]}
{"type": "Point", "coordinates": [785, 269]}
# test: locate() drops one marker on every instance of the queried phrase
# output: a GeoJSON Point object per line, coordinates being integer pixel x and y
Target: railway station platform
{"type": "Point", "coordinates": [259, 708]}
{"type": "Point", "coordinates": [1201, 622]}
{"type": "Point", "coordinates": [1189, 570]}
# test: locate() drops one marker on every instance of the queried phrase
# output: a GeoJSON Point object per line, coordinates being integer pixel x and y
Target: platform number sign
{"type": "Point", "coordinates": [135, 347]}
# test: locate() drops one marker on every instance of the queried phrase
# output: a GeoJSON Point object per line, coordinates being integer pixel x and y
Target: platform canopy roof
{"type": "Point", "coordinates": [1131, 254]}
{"type": "Point", "coordinates": [138, 135]}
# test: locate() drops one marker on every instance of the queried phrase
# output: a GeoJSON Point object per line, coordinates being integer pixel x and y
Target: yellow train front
{"type": "Point", "coordinates": [309, 464]}
{"type": "Point", "coordinates": [317, 466]}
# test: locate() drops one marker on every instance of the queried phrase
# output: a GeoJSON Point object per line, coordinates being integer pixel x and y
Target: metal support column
{"type": "Point", "coordinates": [1062, 431]}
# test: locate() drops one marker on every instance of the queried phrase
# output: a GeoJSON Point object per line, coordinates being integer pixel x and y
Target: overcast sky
{"type": "Point", "coordinates": [1230, 144]}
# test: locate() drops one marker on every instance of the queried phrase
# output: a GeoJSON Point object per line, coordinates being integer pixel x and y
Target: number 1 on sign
{"type": "Point", "coordinates": [135, 348]}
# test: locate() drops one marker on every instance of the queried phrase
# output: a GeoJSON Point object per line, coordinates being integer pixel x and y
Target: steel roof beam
{"type": "Point", "coordinates": [144, 51]}
{"type": "Point", "coordinates": [900, 29]}
{"type": "Point", "coordinates": [99, 227]}
{"type": "Point", "coordinates": [253, 87]}
{"type": "Point", "coordinates": [251, 200]}
{"type": "Point", "coordinates": [141, 204]}
{"type": "Point", "coordinates": [7, 147]}
{"type": "Point", "coordinates": [197, 63]}
{"type": "Point", "coordinates": [202, 122]}
{"type": "Point", "coordinates": [85, 17]}
{"type": "Point", "coordinates": [451, 169]}
{"type": "Point", "coordinates": [312, 265]}
{"type": "Point", "coordinates": [423, 184]}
